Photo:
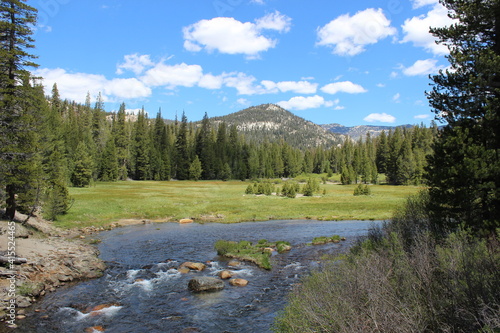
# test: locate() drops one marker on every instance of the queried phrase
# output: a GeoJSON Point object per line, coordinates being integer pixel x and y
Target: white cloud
{"type": "Point", "coordinates": [75, 86]}
{"type": "Point", "coordinates": [172, 76]}
{"type": "Point", "coordinates": [381, 85]}
{"type": "Point", "coordinates": [304, 103]}
{"type": "Point", "coordinates": [422, 67]}
{"type": "Point", "coordinates": [274, 21]}
{"type": "Point", "coordinates": [136, 63]}
{"type": "Point", "coordinates": [416, 29]}
{"type": "Point", "coordinates": [243, 83]}
{"type": "Point", "coordinates": [396, 98]}
{"type": "Point", "coordinates": [422, 3]}
{"type": "Point", "coordinates": [348, 35]}
{"type": "Point", "coordinates": [210, 81]}
{"type": "Point", "coordinates": [243, 101]}
{"type": "Point", "coordinates": [230, 36]}
{"type": "Point", "coordinates": [380, 117]}
{"type": "Point", "coordinates": [344, 86]}
{"type": "Point", "coordinates": [127, 88]}
{"type": "Point", "coordinates": [422, 116]}
{"type": "Point", "coordinates": [299, 87]}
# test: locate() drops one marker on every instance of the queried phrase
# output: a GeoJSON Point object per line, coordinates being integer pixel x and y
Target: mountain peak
{"type": "Point", "coordinates": [270, 122]}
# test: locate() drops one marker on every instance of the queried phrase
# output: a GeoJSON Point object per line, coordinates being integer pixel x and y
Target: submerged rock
{"type": "Point", "coordinates": [234, 263]}
{"type": "Point", "coordinates": [225, 275]}
{"type": "Point", "coordinates": [238, 282]}
{"type": "Point", "coordinates": [196, 266]}
{"type": "Point", "coordinates": [205, 283]}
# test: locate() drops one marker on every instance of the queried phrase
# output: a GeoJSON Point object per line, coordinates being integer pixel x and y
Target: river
{"type": "Point", "coordinates": [148, 294]}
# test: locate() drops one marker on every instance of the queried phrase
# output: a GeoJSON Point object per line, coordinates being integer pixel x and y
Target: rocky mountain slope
{"type": "Point", "coordinates": [356, 132]}
{"type": "Point", "coordinates": [273, 123]}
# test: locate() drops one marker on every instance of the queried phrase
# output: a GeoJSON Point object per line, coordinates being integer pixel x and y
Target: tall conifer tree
{"type": "Point", "coordinates": [464, 172]}
{"type": "Point", "coordinates": [18, 118]}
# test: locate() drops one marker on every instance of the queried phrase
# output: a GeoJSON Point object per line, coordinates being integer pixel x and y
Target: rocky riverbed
{"type": "Point", "coordinates": [54, 257]}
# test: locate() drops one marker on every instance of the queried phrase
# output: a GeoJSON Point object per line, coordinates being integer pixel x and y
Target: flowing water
{"type": "Point", "coordinates": [143, 292]}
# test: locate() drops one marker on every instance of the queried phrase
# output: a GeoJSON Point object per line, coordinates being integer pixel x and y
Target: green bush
{"type": "Point", "coordinates": [362, 189]}
{"type": "Point", "coordinates": [250, 189]}
{"type": "Point", "coordinates": [402, 278]}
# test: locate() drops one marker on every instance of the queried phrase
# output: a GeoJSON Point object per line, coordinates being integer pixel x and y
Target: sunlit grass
{"type": "Point", "coordinates": [223, 202]}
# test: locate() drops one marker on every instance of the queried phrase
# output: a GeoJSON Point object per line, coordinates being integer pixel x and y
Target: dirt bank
{"type": "Point", "coordinates": [54, 257]}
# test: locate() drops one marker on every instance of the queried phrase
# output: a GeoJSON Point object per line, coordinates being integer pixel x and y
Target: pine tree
{"type": "Point", "coordinates": [84, 164]}
{"type": "Point", "coordinates": [142, 148]}
{"type": "Point", "coordinates": [56, 197]}
{"type": "Point", "coordinates": [18, 116]}
{"type": "Point", "coordinates": [195, 169]}
{"type": "Point", "coordinates": [205, 149]}
{"type": "Point", "coordinates": [121, 137]}
{"type": "Point", "coordinates": [109, 165]}
{"type": "Point", "coordinates": [464, 172]}
{"type": "Point", "coordinates": [182, 160]}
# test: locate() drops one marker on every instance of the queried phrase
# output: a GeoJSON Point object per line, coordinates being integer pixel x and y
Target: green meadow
{"type": "Point", "coordinates": [208, 201]}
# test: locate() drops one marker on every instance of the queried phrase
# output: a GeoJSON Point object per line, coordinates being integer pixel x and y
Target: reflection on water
{"type": "Point", "coordinates": [141, 291]}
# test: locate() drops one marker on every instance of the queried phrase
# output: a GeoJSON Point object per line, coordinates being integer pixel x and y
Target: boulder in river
{"type": "Point", "coordinates": [224, 275]}
{"type": "Point", "coordinates": [205, 283]}
{"type": "Point", "coordinates": [238, 282]}
{"type": "Point", "coordinates": [234, 263]}
{"type": "Point", "coordinates": [195, 266]}
{"type": "Point", "coordinates": [185, 221]}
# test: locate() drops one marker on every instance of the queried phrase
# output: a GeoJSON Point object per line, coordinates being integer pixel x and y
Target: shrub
{"type": "Point", "coordinates": [402, 279]}
{"type": "Point", "coordinates": [362, 189]}
{"type": "Point", "coordinates": [249, 189]}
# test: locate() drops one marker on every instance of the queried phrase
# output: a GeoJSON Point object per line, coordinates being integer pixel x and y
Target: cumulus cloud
{"type": "Point", "coordinates": [274, 21]}
{"type": "Point", "coordinates": [380, 117]}
{"type": "Point", "coordinates": [75, 86]}
{"type": "Point", "coordinates": [126, 88]}
{"type": "Point", "coordinates": [416, 29]}
{"type": "Point", "coordinates": [172, 76]}
{"type": "Point", "coordinates": [134, 62]}
{"type": "Point", "coordinates": [396, 98]}
{"type": "Point", "coordinates": [421, 3]}
{"type": "Point", "coordinates": [422, 116]}
{"type": "Point", "coordinates": [304, 103]}
{"type": "Point", "coordinates": [422, 67]}
{"type": "Point", "coordinates": [230, 36]}
{"type": "Point", "coordinates": [348, 35]}
{"type": "Point", "coordinates": [299, 87]}
{"type": "Point", "coordinates": [344, 86]}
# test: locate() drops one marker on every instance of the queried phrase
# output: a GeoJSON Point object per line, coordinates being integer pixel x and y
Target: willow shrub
{"type": "Point", "coordinates": [392, 284]}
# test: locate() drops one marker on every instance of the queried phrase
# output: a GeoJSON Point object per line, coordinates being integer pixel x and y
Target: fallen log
{"type": "Point", "coordinates": [12, 260]}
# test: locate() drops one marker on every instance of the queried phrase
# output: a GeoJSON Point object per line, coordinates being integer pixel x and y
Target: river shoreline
{"type": "Point", "coordinates": [54, 258]}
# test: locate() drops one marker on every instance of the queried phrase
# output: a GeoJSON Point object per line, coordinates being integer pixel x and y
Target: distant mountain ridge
{"type": "Point", "coordinates": [357, 132]}
{"type": "Point", "coordinates": [273, 123]}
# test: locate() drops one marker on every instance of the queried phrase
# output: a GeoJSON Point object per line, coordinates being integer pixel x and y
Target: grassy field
{"type": "Point", "coordinates": [222, 202]}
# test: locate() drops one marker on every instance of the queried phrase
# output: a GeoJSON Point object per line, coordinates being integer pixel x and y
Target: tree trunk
{"type": "Point", "coordinates": [10, 210]}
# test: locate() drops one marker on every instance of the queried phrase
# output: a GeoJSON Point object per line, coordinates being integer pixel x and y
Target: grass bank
{"type": "Point", "coordinates": [223, 202]}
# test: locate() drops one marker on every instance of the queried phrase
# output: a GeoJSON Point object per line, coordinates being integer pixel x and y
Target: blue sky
{"type": "Point", "coordinates": [349, 62]}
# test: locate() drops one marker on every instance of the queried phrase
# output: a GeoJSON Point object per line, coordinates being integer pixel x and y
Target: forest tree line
{"type": "Point", "coordinates": [100, 146]}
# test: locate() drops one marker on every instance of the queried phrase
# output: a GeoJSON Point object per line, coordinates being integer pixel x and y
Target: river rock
{"type": "Point", "coordinates": [234, 263]}
{"type": "Point", "coordinates": [185, 221]}
{"type": "Point", "coordinates": [94, 329]}
{"type": "Point", "coordinates": [183, 270]}
{"type": "Point", "coordinates": [224, 275]}
{"type": "Point", "coordinates": [205, 283]}
{"type": "Point", "coordinates": [97, 310]}
{"type": "Point", "coordinates": [195, 266]}
{"type": "Point", "coordinates": [238, 282]}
